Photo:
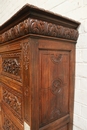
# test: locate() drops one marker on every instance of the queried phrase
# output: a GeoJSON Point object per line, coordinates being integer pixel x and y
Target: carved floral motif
{"type": "Point", "coordinates": [12, 100]}
{"type": "Point", "coordinates": [8, 124]}
{"type": "Point", "coordinates": [38, 27]}
{"type": "Point", "coordinates": [56, 86]}
{"type": "Point", "coordinates": [55, 113]}
{"type": "Point", "coordinates": [56, 58]}
{"type": "Point", "coordinates": [25, 48]}
{"type": "Point", "coordinates": [11, 66]}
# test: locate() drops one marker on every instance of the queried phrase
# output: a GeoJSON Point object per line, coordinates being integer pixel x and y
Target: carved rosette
{"type": "Point", "coordinates": [34, 26]}
{"type": "Point", "coordinates": [13, 101]}
{"type": "Point", "coordinates": [56, 87]}
{"type": "Point", "coordinates": [57, 90]}
{"type": "Point", "coordinates": [55, 113]}
{"type": "Point", "coordinates": [8, 124]}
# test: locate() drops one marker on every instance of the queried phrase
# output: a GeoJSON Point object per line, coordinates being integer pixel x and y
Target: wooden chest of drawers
{"type": "Point", "coordinates": [37, 67]}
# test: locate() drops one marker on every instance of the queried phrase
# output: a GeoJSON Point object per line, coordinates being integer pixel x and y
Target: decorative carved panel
{"type": "Point", "coordinates": [54, 85]}
{"type": "Point", "coordinates": [11, 65]}
{"type": "Point", "coordinates": [8, 124]}
{"type": "Point", "coordinates": [13, 101]}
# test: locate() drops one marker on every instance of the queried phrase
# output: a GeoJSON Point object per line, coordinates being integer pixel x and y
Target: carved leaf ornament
{"type": "Point", "coordinates": [34, 26]}
{"type": "Point", "coordinates": [56, 58]}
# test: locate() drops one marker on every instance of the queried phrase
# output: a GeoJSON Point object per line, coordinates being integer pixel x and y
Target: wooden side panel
{"type": "Point", "coordinates": [13, 101]}
{"type": "Point", "coordinates": [9, 121]}
{"type": "Point", "coordinates": [54, 86]}
{"type": "Point", "coordinates": [11, 78]}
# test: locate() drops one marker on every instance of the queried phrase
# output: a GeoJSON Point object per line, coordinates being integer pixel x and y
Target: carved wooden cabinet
{"type": "Point", "coordinates": [37, 67]}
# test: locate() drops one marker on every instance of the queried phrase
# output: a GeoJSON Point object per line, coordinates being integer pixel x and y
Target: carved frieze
{"type": "Point", "coordinates": [13, 101]}
{"type": "Point", "coordinates": [8, 124]}
{"type": "Point", "coordinates": [34, 26]}
{"type": "Point", "coordinates": [11, 65]}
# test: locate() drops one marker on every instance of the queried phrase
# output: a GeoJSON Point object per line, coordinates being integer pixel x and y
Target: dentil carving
{"type": "Point", "coordinates": [13, 101]}
{"type": "Point", "coordinates": [11, 66]}
{"type": "Point", "coordinates": [34, 26]}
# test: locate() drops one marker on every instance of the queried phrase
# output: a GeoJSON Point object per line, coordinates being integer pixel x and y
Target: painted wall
{"type": "Point", "coordinates": [77, 10]}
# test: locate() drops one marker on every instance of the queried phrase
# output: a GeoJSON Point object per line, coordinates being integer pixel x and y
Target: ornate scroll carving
{"type": "Point", "coordinates": [13, 101]}
{"type": "Point", "coordinates": [25, 48]}
{"type": "Point", "coordinates": [56, 86]}
{"type": "Point", "coordinates": [35, 26]}
{"type": "Point", "coordinates": [11, 66]}
{"type": "Point", "coordinates": [57, 90]}
{"type": "Point", "coordinates": [26, 78]}
{"type": "Point", "coordinates": [8, 124]}
{"type": "Point", "coordinates": [56, 58]}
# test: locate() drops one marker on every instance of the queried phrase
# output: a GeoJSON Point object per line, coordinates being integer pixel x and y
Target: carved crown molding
{"type": "Point", "coordinates": [34, 26]}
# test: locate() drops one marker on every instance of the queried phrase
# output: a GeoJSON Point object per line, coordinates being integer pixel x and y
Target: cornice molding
{"type": "Point", "coordinates": [34, 26]}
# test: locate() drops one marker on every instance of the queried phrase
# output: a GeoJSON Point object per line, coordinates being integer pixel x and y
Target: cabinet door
{"type": "Point", "coordinates": [56, 67]}
{"type": "Point", "coordinates": [54, 88]}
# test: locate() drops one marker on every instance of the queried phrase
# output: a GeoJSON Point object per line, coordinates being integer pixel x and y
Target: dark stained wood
{"type": "Point", "coordinates": [37, 70]}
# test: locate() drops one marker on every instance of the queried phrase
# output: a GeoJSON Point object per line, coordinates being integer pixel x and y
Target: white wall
{"type": "Point", "coordinates": [77, 10]}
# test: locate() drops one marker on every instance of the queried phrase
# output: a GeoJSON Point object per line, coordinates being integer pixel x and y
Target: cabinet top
{"type": "Point", "coordinates": [33, 20]}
